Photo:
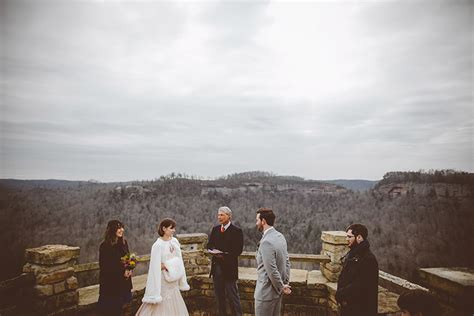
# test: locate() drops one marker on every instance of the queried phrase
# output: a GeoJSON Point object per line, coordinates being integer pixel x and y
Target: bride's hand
{"type": "Point", "coordinates": [163, 267]}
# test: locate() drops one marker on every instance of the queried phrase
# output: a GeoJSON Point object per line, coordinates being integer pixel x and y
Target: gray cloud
{"type": "Point", "coordinates": [235, 23]}
{"type": "Point", "coordinates": [120, 91]}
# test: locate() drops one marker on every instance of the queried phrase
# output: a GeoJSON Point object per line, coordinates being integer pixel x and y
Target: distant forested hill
{"type": "Point", "coordinates": [406, 232]}
{"type": "Point", "coordinates": [30, 184]}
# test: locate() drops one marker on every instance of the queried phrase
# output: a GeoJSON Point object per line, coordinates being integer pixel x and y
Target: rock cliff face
{"type": "Point", "coordinates": [442, 190]}
{"type": "Point", "coordinates": [309, 188]}
{"type": "Point", "coordinates": [435, 183]}
{"type": "Point", "coordinates": [228, 188]}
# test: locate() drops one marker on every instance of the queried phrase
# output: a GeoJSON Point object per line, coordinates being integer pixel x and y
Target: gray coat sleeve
{"type": "Point", "coordinates": [269, 262]}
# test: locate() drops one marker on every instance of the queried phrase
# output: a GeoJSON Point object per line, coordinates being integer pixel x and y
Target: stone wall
{"type": "Point", "coordinates": [55, 291]}
{"type": "Point", "coordinates": [49, 275]}
{"type": "Point", "coordinates": [309, 294]}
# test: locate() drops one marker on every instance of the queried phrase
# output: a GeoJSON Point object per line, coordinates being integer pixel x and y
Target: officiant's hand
{"type": "Point", "coordinates": [163, 267]}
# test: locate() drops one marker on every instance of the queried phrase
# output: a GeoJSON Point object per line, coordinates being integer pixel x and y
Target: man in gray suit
{"type": "Point", "coordinates": [273, 266]}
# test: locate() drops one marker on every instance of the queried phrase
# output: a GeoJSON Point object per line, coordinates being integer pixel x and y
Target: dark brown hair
{"type": "Point", "coordinates": [165, 223]}
{"type": "Point", "coordinates": [267, 214]}
{"type": "Point", "coordinates": [358, 229]}
{"type": "Point", "coordinates": [110, 235]}
{"type": "Point", "coordinates": [419, 301]}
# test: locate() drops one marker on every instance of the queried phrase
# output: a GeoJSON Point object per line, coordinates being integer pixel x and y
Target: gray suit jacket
{"type": "Point", "coordinates": [273, 266]}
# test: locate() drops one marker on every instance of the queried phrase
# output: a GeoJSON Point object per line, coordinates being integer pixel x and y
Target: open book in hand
{"type": "Point", "coordinates": [215, 252]}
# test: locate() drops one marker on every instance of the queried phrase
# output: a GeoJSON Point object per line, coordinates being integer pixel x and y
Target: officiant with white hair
{"type": "Point", "coordinates": [226, 243]}
{"type": "Point", "coordinates": [166, 276]}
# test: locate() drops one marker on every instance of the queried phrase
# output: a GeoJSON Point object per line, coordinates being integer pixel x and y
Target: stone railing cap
{"type": "Point", "coordinates": [397, 284]}
{"type": "Point", "coordinates": [334, 237]}
{"type": "Point", "coordinates": [461, 276]}
{"type": "Point", "coordinates": [192, 238]}
{"type": "Point", "coordinates": [51, 254]}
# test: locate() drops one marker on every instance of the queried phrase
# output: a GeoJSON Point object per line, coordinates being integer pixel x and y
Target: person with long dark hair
{"type": "Point", "coordinates": [114, 280]}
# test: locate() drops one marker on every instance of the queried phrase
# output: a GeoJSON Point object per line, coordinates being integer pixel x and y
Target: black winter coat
{"type": "Point", "coordinates": [111, 275]}
{"type": "Point", "coordinates": [357, 287]}
{"type": "Point", "coordinates": [232, 243]}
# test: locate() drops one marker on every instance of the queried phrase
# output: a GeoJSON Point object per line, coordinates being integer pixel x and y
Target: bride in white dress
{"type": "Point", "coordinates": [166, 276]}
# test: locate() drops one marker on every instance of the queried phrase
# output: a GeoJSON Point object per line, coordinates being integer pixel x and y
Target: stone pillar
{"type": "Point", "coordinates": [195, 261]}
{"type": "Point", "coordinates": [197, 266]}
{"type": "Point", "coordinates": [334, 246]}
{"type": "Point", "coordinates": [55, 291]}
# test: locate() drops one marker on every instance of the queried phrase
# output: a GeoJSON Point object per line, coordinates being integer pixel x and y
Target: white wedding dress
{"type": "Point", "coordinates": [163, 298]}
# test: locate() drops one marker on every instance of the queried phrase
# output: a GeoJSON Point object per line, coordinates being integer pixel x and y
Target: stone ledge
{"type": "Point", "coordinates": [195, 238]}
{"type": "Point", "coordinates": [302, 281]}
{"type": "Point", "coordinates": [89, 295]}
{"type": "Point", "coordinates": [51, 254]}
{"type": "Point", "coordinates": [454, 286]}
{"type": "Point", "coordinates": [316, 280]}
{"type": "Point", "coordinates": [294, 257]}
{"type": "Point", "coordinates": [463, 277]}
{"type": "Point", "coordinates": [297, 277]}
{"type": "Point", "coordinates": [334, 237]}
{"type": "Point", "coordinates": [396, 284]}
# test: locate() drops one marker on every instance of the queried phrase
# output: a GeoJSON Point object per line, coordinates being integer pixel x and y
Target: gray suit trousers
{"type": "Point", "coordinates": [268, 308]}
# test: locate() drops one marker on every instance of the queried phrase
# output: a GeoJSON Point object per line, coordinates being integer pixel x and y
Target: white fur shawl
{"type": "Point", "coordinates": [153, 282]}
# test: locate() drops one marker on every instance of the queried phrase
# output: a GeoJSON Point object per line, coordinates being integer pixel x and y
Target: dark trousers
{"type": "Point", "coordinates": [109, 305]}
{"type": "Point", "coordinates": [226, 289]}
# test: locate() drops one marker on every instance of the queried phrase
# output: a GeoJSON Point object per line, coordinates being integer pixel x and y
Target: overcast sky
{"type": "Point", "coordinates": [116, 91]}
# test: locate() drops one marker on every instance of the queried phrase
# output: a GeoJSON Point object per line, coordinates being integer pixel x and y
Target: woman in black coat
{"type": "Point", "coordinates": [114, 280]}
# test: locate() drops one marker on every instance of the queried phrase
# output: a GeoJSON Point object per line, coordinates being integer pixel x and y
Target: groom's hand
{"type": "Point", "coordinates": [286, 289]}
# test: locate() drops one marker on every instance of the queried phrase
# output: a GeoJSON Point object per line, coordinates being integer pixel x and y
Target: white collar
{"type": "Point", "coordinates": [226, 226]}
{"type": "Point", "coordinates": [266, 230]}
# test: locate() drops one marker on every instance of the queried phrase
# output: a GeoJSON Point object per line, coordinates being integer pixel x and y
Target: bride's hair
{"type": "Point", "coordinates": [165, 223]}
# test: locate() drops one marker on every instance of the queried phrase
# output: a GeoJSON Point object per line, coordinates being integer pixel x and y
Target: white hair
{"type": "Point", "coordinates": [226, 210]}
